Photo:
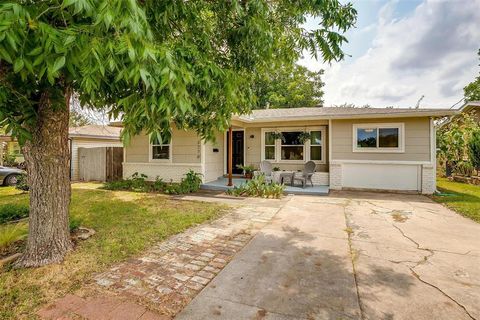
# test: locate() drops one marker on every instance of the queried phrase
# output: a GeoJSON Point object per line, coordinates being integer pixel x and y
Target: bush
{"type": "Point", "coordinates": [136, 183]}
{"type": "Point", "coordinates": [22, 183]}
{"type": "Point", "coordinates": [474, 150]}
{"type": "Point", "coordinates": [257, 187]}
{"type": "Point", "coordinates": [11, 212]}
{"type": "Point", "coordinates": [191, 183]}
{"type": "Point", "coordinates": [9, 160]}
{"type": "Point", "coordinates": [464, 168]}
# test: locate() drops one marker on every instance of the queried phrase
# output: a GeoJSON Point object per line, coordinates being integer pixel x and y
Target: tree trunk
{"type": "Point", "coordinates": [47, 158]}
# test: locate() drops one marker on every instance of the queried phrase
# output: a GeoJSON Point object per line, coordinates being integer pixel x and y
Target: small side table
{"type": "Point", "coordinates": [288, 175]}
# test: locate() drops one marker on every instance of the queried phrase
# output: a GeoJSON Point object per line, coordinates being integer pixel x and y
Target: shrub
{"type": "Point", "coordinates": [22, 183]}
{"type": "Point", "coordinates": [191, 183]}
{"type": "Point", "coordinates": [258, 187]}
{"type": "Point", "coordinates": [474, 150]}
{"type": "Point", "coordinates": [11, 212]}
{"type": "Point", "coordinates": [9, 160]}
{"type": "Point", "coordinates": [464, 168]}
{"type": "Point", "coordinates": [136, 183]}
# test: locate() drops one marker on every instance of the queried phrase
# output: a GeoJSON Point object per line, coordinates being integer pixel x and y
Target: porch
{"type": "Point", "coordinates": [221, 185]}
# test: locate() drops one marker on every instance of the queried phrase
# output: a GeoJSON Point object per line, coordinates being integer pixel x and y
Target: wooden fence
{"type": "Point", "coordinates": [100, 163]}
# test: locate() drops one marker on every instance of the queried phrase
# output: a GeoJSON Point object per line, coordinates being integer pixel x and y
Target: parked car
{"type": "Point", "coordinates": [8, 176]}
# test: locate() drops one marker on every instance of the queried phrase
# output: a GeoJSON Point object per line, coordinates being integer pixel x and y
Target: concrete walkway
{"type": "Point", "coordinates": [351, 256]}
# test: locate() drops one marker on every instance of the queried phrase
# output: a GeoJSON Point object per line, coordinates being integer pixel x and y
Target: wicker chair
{"type": "Point", "coordinates": [306, 175]}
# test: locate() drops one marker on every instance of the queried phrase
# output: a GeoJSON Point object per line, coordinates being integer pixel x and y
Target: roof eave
{"type": "Point", "coordinates": [439, 113]}
{"type": "Point", "coordinates": [76, 135]}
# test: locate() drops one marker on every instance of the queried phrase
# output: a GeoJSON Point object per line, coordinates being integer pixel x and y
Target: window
{"type": "Point", "coordinates": [160, 151]}
{"type": "Point", "coordinates": [316, 145]}
{"type": "Point", "coordinates": [378, 138]}
{"type": "Point", "coordinates": [269, 147]}
{"type": "Point", "coordinates": [291, 146]}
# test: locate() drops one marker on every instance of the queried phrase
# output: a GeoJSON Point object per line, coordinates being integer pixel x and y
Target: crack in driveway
{"type": "Point", "coordinates": [430, 254]}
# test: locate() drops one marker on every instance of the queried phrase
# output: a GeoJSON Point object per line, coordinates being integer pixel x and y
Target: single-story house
{"type": "Point", "coordinates": [354, 148]}
{"type": "Point", "coordinates": [91, 136]}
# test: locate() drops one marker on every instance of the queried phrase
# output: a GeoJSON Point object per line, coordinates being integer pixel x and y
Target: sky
{"type": "Point", "coordinates": [402, 50]}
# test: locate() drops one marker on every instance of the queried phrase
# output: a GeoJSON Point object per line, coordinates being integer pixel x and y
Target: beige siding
{"type": "Point", "coordinates": [88, 143]}
{"type": "Point", "coordinates": [417, 140]}
{"type": "Point", "coordinates": [186, 148]}
{"type": "Point", "coordinates": [214, 161]}
{"type": "Point", "coordinates": [254, 146]}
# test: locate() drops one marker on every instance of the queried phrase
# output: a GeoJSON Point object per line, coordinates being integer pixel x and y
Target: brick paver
{"type": "Point", "coordinates": [158, 284]}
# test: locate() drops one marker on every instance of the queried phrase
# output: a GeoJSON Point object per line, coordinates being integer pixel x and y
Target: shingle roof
{"type": "Point", "coordinates": [337, 112]}
{"type": "Point", "coordinates": [95, 130]}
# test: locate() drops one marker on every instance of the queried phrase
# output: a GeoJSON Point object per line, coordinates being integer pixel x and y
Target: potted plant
{"type": "Point", "coordinates": [304, 137]}
{"type": "Point", "coordinates": [247, 171]}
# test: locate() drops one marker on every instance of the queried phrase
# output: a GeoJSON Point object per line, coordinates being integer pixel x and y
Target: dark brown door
{"type": "Point", "coordinates": [237, 151]}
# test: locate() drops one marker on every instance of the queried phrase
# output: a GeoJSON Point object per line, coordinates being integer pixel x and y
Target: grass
{"type": "Point", "coordinates": [126, 223]}
{"type": "Point", "coordinates": [461, 197]}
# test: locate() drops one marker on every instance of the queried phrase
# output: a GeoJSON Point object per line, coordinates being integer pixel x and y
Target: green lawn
{"type": "Point", "coordinates": [126, 223]}
{"type": "Point", "coordinates": [461, 197]}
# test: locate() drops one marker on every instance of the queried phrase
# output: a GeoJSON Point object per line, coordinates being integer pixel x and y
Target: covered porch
{"type": "Point", "coordinates": [221, 184]}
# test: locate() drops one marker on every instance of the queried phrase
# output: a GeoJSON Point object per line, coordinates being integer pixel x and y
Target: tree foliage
{"type": "Point", "coordinates": [152, 62]}
{"type": "Point", "coordinates": [453, 138]}
{"type": "Point", "coordinates": [474, 149]}
{"type": "Point", "coordinates": [472, 90]}
{"type": "Point", "coordinates": [77, 119]}
{"type": "Point", "coordinates": [289, 87]}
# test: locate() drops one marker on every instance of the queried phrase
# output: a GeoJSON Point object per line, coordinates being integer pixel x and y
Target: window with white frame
{"type": "Point", "coordinates": [316, 145]}
{"type": "Point", "coordinates": [160, 150]}
{"type": "Point", "coordinates": [291, 145]}
{"type": "Point", "coordinates": [292, 148]}
{"type": "Point", "coordinates": [269, 145]}
{"type": "Point", "coordinates": [386, 137]}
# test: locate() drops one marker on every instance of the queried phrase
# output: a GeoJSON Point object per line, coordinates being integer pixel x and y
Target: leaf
{"type": "Point", "coordinates": [35, 51]}
{"type": "Point", "coordinates": [59, 63]}
{"type": "Point", "coordinates": [18, 65]}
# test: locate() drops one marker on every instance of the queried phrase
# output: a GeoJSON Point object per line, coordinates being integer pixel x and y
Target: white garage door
{"type": "Point", "coordinates": [381, 176]}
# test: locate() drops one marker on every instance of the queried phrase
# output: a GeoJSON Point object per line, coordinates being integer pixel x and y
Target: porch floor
{"type": "Point", "coordinates": [221, 185]}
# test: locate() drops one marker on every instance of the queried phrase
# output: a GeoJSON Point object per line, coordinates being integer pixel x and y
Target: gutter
{"type": "Point", "coordinates": [440, 113]}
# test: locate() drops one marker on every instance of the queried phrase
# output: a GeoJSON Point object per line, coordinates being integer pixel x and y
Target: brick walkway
{"type": "Point", "coordinates": [158, 284]}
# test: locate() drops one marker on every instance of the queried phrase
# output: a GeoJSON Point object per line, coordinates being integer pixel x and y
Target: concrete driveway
{"type": "Point", "coordinates": [351, 255]}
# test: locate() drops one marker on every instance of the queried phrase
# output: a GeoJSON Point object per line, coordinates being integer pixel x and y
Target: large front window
{"type": "Point", "coordinates": [378, 137]}
{"type": "Point", "coordinates": [292, 148]}
{"type": "Point", "coordinates": [293, 144]}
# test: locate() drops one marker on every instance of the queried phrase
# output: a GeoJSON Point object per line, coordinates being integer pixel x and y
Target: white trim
{"type": "Point", "coordinates": [306, 145]}
{"type": "Point", "coordinates": [225, 155]}
{"type": "Point", "coordinates": [401, 143]}
{"type": "Point", "coordinates": [433, 156]}
{"type": "Point", "coordinates": [329, 140]}
{"type": "Point", "coordinates": [343, 161]}
{"type": "Point", "coordinates": [160, 164]}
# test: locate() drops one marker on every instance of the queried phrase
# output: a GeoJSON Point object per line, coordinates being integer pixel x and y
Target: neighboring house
{"type": "Point", "coordinates": [91, 136]}
{"type": "Point", "coordinates": [354, 148]}
{"type": "Point", "coordinates": [10, 147]}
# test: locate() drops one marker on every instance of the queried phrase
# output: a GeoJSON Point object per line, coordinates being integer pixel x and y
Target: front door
{"type": "Point", "coordinates": [237, 151]}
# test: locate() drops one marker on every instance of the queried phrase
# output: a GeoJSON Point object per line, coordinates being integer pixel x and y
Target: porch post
{"type": "Point", "coordinates": [230, 156]}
